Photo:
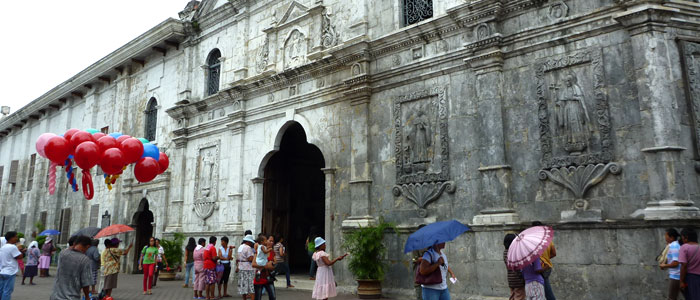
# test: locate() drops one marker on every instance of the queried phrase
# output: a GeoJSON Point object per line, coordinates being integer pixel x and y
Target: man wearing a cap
{"type": "Point", "coordinates": [110, 263]}
{"type": "Point", "coordinates": [246, 273]}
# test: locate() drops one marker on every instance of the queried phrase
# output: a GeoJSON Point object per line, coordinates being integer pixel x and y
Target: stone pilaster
{"type": "Point", "coordinates": [646, 23]}
{"type": "Point", "coordinates": [495, 171]}
{"type": "Point", "coordinates": [330, 204]}
{"type": "Point", "coordinates": [360, 177]}
{"type": "Point", "coordinates": [236, 159]}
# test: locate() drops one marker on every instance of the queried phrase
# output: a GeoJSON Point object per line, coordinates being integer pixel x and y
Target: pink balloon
{"type": "Point", "coordinates": [41, 142]}
{"type": "Point", "coordinates": [52, 178]}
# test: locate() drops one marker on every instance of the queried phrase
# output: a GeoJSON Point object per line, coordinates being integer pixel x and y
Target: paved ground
{"type": "Point", "coordinates": [129, 287]}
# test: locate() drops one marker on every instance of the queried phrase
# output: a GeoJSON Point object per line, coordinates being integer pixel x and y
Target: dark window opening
{"type": "Point", "coordinates": [151, 119]}
{"type": "Point", "coordinates": [214, 70]}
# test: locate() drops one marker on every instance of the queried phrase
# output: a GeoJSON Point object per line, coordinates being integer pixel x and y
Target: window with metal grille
{"type": "Point", "coordinates": [23, 224]}
{"type": "Point", "coordinates": [214, 70]}
{"type": "Point", "coordinates": [94, 214]}
{"type": "Point", "coordinates": [65, 226]}
{"type": "Point", "coordinates": [30, 174]}
{"type": "Point", "coordinates": [151, 119]}
{"type": "Point", "coordinates": [415, 11]}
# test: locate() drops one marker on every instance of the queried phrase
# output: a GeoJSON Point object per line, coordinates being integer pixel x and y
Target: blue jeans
{"type": "Point", "coordinates": [548, 293]}
{"type": "Point", "coordinates": [189, 268]}
{"type": "Point", "coordinates": [433, 294]}
{"type": "Point", "coordinates": [7, 285]}
{"type": "Point", "coordinates": [313, 267]}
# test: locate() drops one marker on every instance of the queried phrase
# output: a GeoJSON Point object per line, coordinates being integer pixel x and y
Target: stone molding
{"type": "Point", "coordinates": [690, 52]}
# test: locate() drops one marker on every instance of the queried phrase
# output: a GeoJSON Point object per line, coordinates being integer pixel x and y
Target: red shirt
{"type": "Point", "coordinates": [263, 278]}
{"type": "Point", "coordinates": [209, 253]}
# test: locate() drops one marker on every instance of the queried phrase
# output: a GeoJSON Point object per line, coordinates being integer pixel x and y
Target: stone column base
{"type": "Point", "coordinates": [234, 226]}
{"type": "Point", "coordinates": [582, 216]}
{"type": "Point", "coordinates": [669, 210]}
{"type": "Point", "coordinates": [358, 222]}
{"type": "Point", "coordinates": [496, 216]}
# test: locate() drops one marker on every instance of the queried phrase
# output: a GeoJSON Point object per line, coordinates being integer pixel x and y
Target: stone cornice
{"type": "Point", "coordinates": [169, 29]}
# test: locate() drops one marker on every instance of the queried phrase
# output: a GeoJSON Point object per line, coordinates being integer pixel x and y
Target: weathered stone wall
{"type": "Point", "coordinates": [581, 114]}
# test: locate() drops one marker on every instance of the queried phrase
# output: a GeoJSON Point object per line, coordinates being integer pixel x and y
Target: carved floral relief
{"type": "Point", "coordinates": [691, 72]}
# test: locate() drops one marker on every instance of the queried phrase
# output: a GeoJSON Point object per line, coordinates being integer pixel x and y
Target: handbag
{"type": "Point", "coordinates": [433, 278]}
{"type": "Point", "coordinates": [219, 268]}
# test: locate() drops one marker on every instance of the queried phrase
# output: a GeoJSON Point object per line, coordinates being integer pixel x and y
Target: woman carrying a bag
{"type": "Point", "coordinates": [690, 264]}
{"type": "Point", "coordinates": [433, 261]}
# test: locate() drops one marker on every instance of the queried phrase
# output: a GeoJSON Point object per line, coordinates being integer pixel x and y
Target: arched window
{"type": "Point", "coordinates": [415, 11]}
{"type": "Point", "coordinates": [214, 69]}
{"type": "Point", "coordinates": [151, 119]}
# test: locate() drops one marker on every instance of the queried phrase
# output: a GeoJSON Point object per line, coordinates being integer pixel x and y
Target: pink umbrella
{"type": "Point", "coordinates": [528, 246]}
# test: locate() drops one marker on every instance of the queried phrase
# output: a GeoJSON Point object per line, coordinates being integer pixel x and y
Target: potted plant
{"type": "Point", "coordinates": [366, 250]}
{"type": "Point", "coordinates": [173, 253]}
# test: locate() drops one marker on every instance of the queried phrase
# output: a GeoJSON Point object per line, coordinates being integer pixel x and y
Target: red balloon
{"type": "Point", "coordinates": [163, 162]}
{"type": "Point", "coordinates": [146, 169]}
{"type": "Point", "coordinates": [57, 149]}
{"type": "Point", "coordinates": [98, 135]}
{"type": "Point", "coordinates": [112, 161]}
{"type": "Point", "coordinates": [121, 138]}
{"type": "Point", "coordinates": [87, 155]}
{"type": "Point", "coordinates": [107, 142]}
{"type": "Point", "coordinates": [132, 149]}
{"type": "Point", "coordinates": [80, 137]}
{"type": "Point", "coordinates": [69, 133]}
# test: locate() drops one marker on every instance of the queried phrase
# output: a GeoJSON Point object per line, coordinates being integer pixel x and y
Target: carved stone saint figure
{"type": "Point", "coordinates": [206, 175]}
{"type": "Point", "coordinates": [294, 51]}
{"type": "Point", "coordinates": [572, 116]}
{"type": "Point", "coordinates": [419, 139]}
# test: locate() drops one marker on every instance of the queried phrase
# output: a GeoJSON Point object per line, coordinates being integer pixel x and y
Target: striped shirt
{"type": "Point", "coordinates": [515, 278]}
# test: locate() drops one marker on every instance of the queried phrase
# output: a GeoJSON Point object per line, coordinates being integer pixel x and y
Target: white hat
{"type": "Point", "coordinates": [249, 238]}
{"type": "Point", "coordinates": [319, 241]}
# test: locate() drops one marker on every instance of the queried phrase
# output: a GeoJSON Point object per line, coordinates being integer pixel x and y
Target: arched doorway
{"type": "Point", "coordinates": [294, 194]}
{"type": "Point", "coordinates": [142, 221]}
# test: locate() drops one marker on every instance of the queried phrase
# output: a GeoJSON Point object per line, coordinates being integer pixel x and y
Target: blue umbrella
{"type": "Point", "coordinates": [50, 232]}
{"type": "Point", "coordinates": [436, 233]}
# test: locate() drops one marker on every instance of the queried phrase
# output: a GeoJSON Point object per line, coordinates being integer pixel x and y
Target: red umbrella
{"type": "Point", "coordinates": [113, 230]}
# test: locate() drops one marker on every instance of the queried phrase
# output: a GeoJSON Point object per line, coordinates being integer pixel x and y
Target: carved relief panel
{"type": "Point", "coordinates": [295, 49]}
{"type": "Point", "coordinates": [206, 180]}
{"type": "Point", "coordinates": [691, 72]}
{"type": "Point", "coordinates": [574, 121]}
{"type": "Point", "coordinates": [421, 146]}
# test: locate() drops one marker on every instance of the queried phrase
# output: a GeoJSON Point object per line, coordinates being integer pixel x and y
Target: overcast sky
{"type": "Point", "coordinates": [46, 42]}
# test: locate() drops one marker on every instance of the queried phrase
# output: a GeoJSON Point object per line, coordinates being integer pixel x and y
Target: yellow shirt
{"type": "Point", "coordinates": [545, 257]}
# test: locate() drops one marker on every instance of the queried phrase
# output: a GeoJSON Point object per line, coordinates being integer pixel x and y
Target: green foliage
{"type": "Point", "coordinates": [366, 249]}
{"type": "Point", "coordinates": [20, 235]}
{"type": "Point", "coordinates": [173, 249]}
{"type": "Point", "coordinates": [40, 239]}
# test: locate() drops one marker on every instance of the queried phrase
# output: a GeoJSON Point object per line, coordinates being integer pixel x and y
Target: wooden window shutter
{"type": "Point", "coordinates": [23, 224]}
{"type": "Point", "coordinates": [65, 225]}
{"type": "Point", "coordinates": [42, 217]}
{"type": "Point", "coordinates": [14, 167]}
{"type": "Point", "coordinates": [94, 214]}
{"type": "Point", "coordinates": [30, 174]}
{"type": "Point", "coordinates": [2, 171]}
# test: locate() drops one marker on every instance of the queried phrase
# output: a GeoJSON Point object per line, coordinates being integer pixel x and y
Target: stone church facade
{"type": "Point", "coordinates": [280, 116]}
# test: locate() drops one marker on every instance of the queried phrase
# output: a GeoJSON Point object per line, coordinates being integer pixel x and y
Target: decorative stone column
{"type": "Point", "coordinates": [487, 64]}
{"type": "Point", "coordinates": [360, 177]}
{"type": "Point", "coordinates": [180, 112]}
{"type": "Point", "coordinates": [330, 204]}
{"type": "Point", "coordinates": [256, 207]}
{"type": "Point", "coordinates": [646, 24]}
{"type": "Point", "coordinates": [237, 126]}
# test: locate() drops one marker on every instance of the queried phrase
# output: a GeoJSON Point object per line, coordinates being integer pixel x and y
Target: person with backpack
{"type": "Point", "coordinates": [690, 264]}
{"type": "Point", "coordinates": [147, 263]}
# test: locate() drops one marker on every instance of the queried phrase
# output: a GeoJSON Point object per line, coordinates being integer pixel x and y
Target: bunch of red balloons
{"type": "Point", "coordinates": [112, 152]}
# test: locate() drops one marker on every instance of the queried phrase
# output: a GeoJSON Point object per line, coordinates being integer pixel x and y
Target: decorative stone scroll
{"type": "Point", "coordinates": [691, 72]}
{"type": "Point", "coordinates": [329, 37]}
{"type": "Point", "coordinates": [207, 180]}
{"type": "Point", "coordinates": [262, 58]}
{"type": "Point", "coordinates": [577, 148]}
{"type": "Point", "coordinates": [421, 147]}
